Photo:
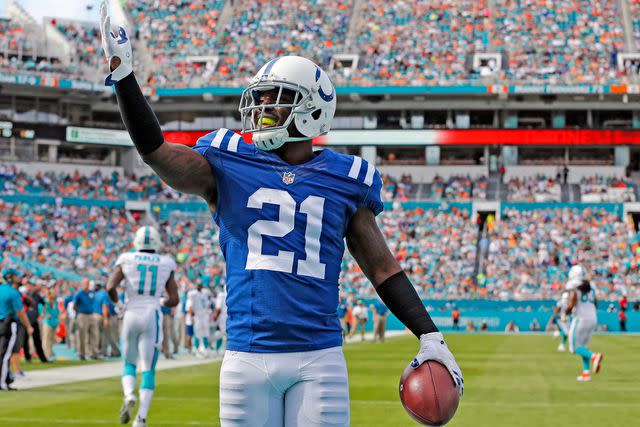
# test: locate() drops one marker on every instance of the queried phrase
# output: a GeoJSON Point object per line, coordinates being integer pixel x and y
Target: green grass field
{"type": "Point", "coordinates": [510, 381]}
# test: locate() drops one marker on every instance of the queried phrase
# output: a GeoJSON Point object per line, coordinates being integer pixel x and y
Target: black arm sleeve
{"type": "Point", "coordinates": [398, 294]}
{"type": "Point", "coordinates": [137, 116]}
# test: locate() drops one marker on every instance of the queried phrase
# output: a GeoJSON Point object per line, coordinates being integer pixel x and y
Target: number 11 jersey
{"type": "Point", "coordinates": [145, 276]}
{"type": "Point", "coordinates": [282, 230]}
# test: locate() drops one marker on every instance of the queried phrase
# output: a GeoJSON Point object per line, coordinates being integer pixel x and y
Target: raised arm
{"type": "Point", "coordinates": [367, 245]}
{"type": "Point", "coordinates": [179, 166]}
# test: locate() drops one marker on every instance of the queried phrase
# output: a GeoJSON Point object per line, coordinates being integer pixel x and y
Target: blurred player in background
{"type": "Point", "coordinates": [147, 276]}
{"type": "Point", "coordinates": [561, 319]}
{"type": "Point", "coordinates": [582, 306]}
{"type": "Point", "coordinates": [361, 316]}
{"type": "Point", "coordinates": [220, 316]}
{"type": "Point", "coordinates": [199, 302]}
{"type": "Point", "coordinates": [284, 213]}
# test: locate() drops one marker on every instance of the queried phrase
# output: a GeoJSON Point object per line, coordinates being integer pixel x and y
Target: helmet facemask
{"type": "Point", "coordinates": [253, 114]}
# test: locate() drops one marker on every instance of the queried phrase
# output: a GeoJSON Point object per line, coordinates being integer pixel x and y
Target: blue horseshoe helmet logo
{"type": "Point", "coordinates": [324, 96]}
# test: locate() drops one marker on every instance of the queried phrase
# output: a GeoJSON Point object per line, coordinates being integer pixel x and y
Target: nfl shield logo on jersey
{"type": "Point", "coordinates": [288, 177]}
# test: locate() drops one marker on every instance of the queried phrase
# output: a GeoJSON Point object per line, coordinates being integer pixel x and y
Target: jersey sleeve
{"type": "Point", "coordinates": [122, 259]}
{"type": "Point", "coordinates": [214, 144]}
{"type": "Point", "coordinates": [373, 196]}
{"type": "Point", "coordinates": [369, 182]}
{"type": "Point", "coordinates": [171, 264]}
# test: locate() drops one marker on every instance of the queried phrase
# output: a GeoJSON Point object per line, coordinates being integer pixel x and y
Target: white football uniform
{"type": "Point", "coordinates": [199, 302]}
{"type": "Point", "coordinates": [584, 321]}
{"type": "Point", "coordinates": [221, 304]}
{"type": "Point", "coordinates": [562, 321]}
{"type": "Point", "coordinates": [145, 276]}
{"type": "Point", "coordinates": [313, 385]}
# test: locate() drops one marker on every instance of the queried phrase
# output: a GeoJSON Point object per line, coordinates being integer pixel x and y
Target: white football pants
{"type": "Point", "coordinates": [201, 327]}
{"type": "Point", "coordinates": [142, 337]}
{"type": "Point", "coordinates": [303, 389]}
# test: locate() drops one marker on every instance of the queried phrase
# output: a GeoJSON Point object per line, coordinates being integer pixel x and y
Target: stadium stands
{"type": "Point", "coordinates": [530, 252]}
{"type": "Point", "coordinates": [436, 248]}
{"type": "Point", "coordinates": [600, 189]}
{"type": "Point", "coordinates": [565, 41]}
{"type": "Point", "coordinates": [420, 42]}
{"type": "Point", "coordinates": [413, 42]}
{"type": "Point", "coordinates": [260, 30]}
{"type": "Point", "coordinates": [95, 186]}
{"type": "Point", "coordinates": [533, 189]}
{"type": "Point", "coordinates": [175, 31]}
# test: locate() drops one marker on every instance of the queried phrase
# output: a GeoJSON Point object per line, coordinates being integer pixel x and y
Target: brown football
{"type": "Point", "coordinates": [429, 394]}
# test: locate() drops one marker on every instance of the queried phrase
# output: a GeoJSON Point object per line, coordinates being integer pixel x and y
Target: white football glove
{"type": "Point", "coordinates": [433, 347]}
{"type": "Point", "coordinates": [115, 47]}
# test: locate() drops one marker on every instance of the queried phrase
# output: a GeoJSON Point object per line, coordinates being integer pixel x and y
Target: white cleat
{"type": "Point", "coordinates": [140, 422]}
{"type": "Point", "coordinates": [596, 359]}
{"type": "Point", "coordinates": [561, 347]}
{"type": "Point", "coordinates": [584, 377]}
{"type": "Point", "coordinates": [127, 409]}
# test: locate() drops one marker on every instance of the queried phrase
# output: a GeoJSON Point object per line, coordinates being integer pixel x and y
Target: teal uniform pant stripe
{"type": "Point", "coordinates": [155, 352]}
{"type": "Point", "coordinates": [129, 370]}
{"type": "Point", "coordinates": [148, 381]}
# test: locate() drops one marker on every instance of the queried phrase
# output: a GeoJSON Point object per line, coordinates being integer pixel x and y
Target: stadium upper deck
{"type": "Point", "coordinates": [424, 43]}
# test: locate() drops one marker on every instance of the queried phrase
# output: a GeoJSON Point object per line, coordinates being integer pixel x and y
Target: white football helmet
{"type": "Point", "coordinates": [577, 273]}
{"type": "Point", "coordinates": [147, 239]}
{"type": "Point", "coordinates": [311, 110]}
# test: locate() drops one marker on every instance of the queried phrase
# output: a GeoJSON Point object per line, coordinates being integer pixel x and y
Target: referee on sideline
{"type": "Point", "coordinates": [10, 310]}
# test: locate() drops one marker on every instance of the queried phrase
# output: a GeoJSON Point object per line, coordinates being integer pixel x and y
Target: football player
{"type": "Point", "coordinates": [284, 212]}
{"type": "Point", "coordinates": [199, 307]}
{"type": "Point", "coordinates": [147, 276]}
{"type": "Point", "coordinates": [582, 307]}
{"type": "Point", "coordinates": [561, 320]}
{"type": "Point", "coordinates": [220, 316]}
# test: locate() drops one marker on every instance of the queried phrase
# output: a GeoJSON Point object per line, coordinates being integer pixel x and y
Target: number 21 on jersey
{"type": "Point", "coordinates": [312, 206]}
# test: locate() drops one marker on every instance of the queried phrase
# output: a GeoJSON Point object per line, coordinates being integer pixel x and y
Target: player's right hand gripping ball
{"type": "Point", "coordinates": [431, 386]}
{"type": "Point", "coordinates": [117, 48]}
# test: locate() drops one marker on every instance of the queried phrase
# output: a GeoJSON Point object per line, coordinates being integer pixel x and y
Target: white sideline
{"type": "Point", "coordinates": [95, 371]}
{"type": "Point", "coordinates": [98, 371]}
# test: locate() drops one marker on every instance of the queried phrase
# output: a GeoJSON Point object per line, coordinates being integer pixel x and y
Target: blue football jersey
{"type": "Point", "coordinates": [282, 230]}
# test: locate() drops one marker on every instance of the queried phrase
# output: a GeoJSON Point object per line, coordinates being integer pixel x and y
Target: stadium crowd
{"type": "Point", "coordinates": [112, 186]}
{"type": "Point", "coordinates": [412, 42]}
{"type": "Point", "coordinates": [534, 189]}
{"type": "Point", "coordinates": [564, 41]}
{"type": "Point", "coordinates": [530, 252]}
